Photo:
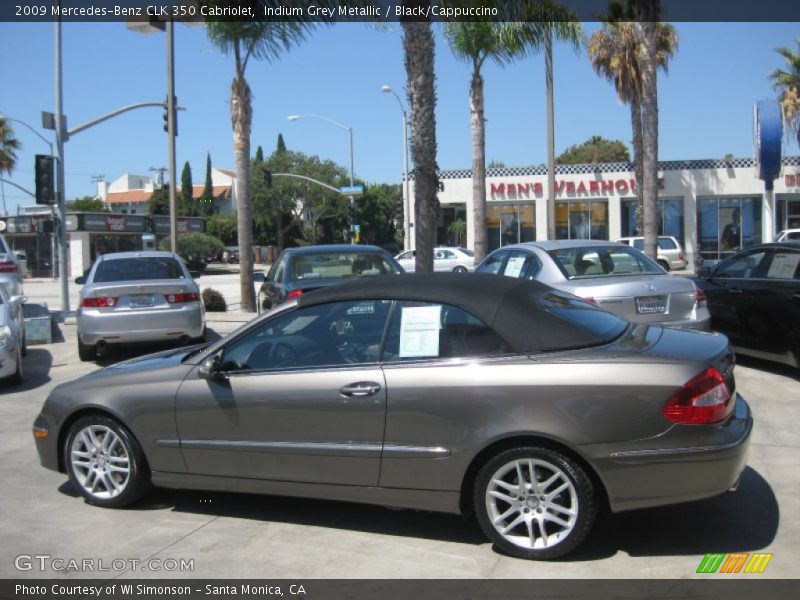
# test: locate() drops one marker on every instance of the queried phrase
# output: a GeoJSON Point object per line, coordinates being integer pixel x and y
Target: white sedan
{"type": "Point", "coordinates": [12, 336]}
{"type": "Point", "coordinates": [449, 258]}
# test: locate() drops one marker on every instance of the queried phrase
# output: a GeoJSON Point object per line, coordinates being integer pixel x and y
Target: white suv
{"type": "Point", "coordinates": [670, 253]}
{"type": "Point", "coordinates": [789, 235]}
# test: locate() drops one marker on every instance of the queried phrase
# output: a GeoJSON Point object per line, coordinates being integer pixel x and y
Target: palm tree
{"type": "Point", "coordinates": [541, 22]}
{"type": "Point", "coordinates": [8, 147]}
{"type": "Point", "coordinates": [614, 52]}
{"type": "Point", "coordinates": [419, 49]}
{"type": "Point", "coordinates": [264, 40]}
{"type": "Point", "coordinates": [476, 42]}
{"type": "Point", "coordinates": [788, 83]}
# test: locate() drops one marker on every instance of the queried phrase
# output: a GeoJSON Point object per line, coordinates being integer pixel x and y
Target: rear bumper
{"type": "Point", "coordinates": [146, 326]}
{"type": "Point", "coordinates": [8, 362]}
{"type": "Point", "coordinates": [674, 468]}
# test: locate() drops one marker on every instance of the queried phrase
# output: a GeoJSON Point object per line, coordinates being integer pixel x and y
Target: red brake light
{"type": "Point", "coordinates": [702, 400]}
{"type": "Point", "coordinates": [294, 294]}
{"type": "Point", "coordinates": [700, 299]}
{"type": "Point", "coordinates": [181, 298]}
{"type": "Point", "coordinates": [8, 266]}
{"type": "Point", "coordinates": [99, 302]}
{"type": "Point", "coordinates": [589, 299]}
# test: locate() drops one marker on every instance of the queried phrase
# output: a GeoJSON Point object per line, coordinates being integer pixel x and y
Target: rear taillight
{"type": "Point", "coordinates": [294, 294]}
{"type": "Point", "coordinates": [99, 302]}
{"type": "Point", "coordinates": [680, 255]}
{"type": "Point", "coordinates": [589, 299]}
{"type": "Point", "coordinates": [8, 266]}
{"type": "Point", "coordinates": [181, 298]}
{"type": "Point", "coordinates": [702, 400]}
{"type": "Point", "coordinates": [700, 300]}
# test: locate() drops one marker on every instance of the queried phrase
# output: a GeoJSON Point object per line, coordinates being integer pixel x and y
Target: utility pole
{"type": "Point", "coordinates": [60, 177]}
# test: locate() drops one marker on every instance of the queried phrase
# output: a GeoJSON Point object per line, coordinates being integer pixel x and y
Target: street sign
{"type": "Point", "coordinates": [352, 190]}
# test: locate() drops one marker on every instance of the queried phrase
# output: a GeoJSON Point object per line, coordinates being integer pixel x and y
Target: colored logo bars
{"type": "Point", "coordinates": [737, 562]}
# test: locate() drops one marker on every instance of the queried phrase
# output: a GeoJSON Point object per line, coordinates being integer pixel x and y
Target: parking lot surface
{"type": "Point", "coordinates": [239, 535]}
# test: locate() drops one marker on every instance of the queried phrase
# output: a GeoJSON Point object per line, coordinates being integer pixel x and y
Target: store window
{"type": "Point", "coordinates": [787, 212]}
{"type": "Point", "coordinates": [670, 218]}
{"type": "Point", "coordinates": [726, 225]}
{"type": "Point", "coordinates": [510, 224]}
{"type": "Point", "coordinates": [582, 220]}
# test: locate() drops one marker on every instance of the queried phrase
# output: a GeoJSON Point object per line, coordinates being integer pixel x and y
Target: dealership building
{"type": "Point", "coordinates": [698, 201]}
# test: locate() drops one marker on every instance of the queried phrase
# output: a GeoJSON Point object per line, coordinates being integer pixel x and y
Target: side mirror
{"type": "Point", "coordinates": [195, 274]}
{"type": "Point", "coordinates": [704, 272]}
{"type": "Point", "coordinates": [18, 300]}
{"type": "Point", "coordinates": [258, 278]}
{"type": "Point", "coordinates": [209, 368]}
{"type": "Point", "coordinates": [80, 280]}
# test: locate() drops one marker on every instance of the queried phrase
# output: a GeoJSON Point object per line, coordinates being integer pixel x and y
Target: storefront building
{"type": "Point", "coordinates": [712, 207]}
{"type": "Point", "coordinates": [88, 236]}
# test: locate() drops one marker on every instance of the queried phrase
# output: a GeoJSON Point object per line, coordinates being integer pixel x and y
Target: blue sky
{"type": "Point", "coordinates": [705, 101]}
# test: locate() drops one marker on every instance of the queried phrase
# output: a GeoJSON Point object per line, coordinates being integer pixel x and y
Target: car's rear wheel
{"type": "Point", "coordinates": [19, 374]}
{"type": "Point", "coordinates": [534, 503]}
{"type": "Point", "coordinates": [460, 269]}
{"type": "Point", "coordinates": [664, 264]}
{"type": "Point", "coordinates": [105, 463]}
{"type": "Point", "coordinates": [87, 352]}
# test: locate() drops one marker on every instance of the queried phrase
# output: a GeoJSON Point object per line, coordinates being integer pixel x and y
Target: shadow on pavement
{"type": "Point", "coordinates": [36, 371]}
{"type": "Point", "coordinates": [768, 366]}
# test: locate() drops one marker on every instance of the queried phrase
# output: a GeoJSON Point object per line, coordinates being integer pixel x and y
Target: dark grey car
{"type": "Point", "coordinates": [457, 393]}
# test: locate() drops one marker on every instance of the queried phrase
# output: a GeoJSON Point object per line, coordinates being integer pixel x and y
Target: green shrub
{"type": "Point", "coordinates": [214, 301]}
{"type": "Point", "coordinates": [194, 248]}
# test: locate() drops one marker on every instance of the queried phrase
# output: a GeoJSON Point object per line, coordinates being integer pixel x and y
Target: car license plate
{"type": "Point", "coordinates": [142, 300]}
{"type": "Point", "coordinates": [651, 305]}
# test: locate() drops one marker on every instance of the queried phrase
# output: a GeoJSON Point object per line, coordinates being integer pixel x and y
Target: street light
{"type": "Point", "coordinates": [406, 191]}
{"type": "Point", "coordinates": [349, 131]}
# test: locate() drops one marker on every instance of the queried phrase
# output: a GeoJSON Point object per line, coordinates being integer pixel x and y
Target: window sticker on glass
{"type": "Point", "coordinates": [362, 308]}
{"type": "Point", "coordinates": [419, 331]}
{"type": "Point", "coordinates": [514, 266]}
{"type": "Point", "coordinates": [783, 266]}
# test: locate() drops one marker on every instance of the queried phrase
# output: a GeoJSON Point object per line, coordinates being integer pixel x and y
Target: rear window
{"type": "Point", "coordinates": [338, 265]}
{"type": "Point", "coordinates": [138, 268]}
{"type": "Point", "coordinates": [667, 244]}
{"type": "Point", "coordinates": [596, 325]}
{"type": "Point", "coordinates": [603, 261]}
{"type": "Point", "coordinates": [467, 251]}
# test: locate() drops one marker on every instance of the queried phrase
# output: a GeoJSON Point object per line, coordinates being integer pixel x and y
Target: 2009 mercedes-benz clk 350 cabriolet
{"type": "Point", "coordinates": [462, 393]}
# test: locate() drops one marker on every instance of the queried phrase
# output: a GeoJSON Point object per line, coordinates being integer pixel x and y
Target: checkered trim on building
{"type": "Point", "coordinates": [617, 167]}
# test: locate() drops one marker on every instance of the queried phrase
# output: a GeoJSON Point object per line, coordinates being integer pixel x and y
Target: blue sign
{"type": "Point", "coordinates": [352, 190]}
{"type": "Point", "coordinates": [768, 133]}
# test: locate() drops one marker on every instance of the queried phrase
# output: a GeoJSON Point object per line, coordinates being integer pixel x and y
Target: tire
{"type": "Point", "coordinates": [87, 352]}
{"type": "Point", "coordinates": [105, 463]}
{"type": "Point", "coordinates": [665, 265]}
{"type": "Point", "coordinates": [531, 529]}
{"type": "Point", "coordinates": [19, 374]}
{"type": "Point", "coordinates": [24, 348]}
{"type": "Point", "coordinates": [460, 270]}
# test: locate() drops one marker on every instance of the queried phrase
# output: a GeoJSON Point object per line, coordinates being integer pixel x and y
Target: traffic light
{"type": "Point", "coordinates": [351, 213]}
{"type": "Point", "coordinates": [45, 179]}
{"type": "Point", "coordinates": [268, 177]}
{"type": "Point", "coordinates": [165, 116]}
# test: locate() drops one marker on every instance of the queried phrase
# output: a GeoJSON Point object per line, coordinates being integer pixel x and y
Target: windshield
{"type": "Point", "coordinates": [138, 268]}
{"type": "Point", "coordinates": [603, 261]}
{"type": "Point", "coordinates": [336, 265]}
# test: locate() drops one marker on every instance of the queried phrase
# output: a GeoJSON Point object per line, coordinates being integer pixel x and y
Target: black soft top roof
{"type": "Point", "coordinates": [515, 308]}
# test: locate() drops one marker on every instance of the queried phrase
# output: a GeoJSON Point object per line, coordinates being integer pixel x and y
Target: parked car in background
{"type": "Point", "coordinates": [301, 270]}
{"type": "Point", "coordinates": [669, 251]}
{"type": "Point", "coordinates": [614, 276]}
{"type": "Point", "coordinates": [445, 258]}
{"type": "Point", "coordinates": [788, 235]}
{"type": "Point", "coordinates": [754, 299]}
{"type": "Point", "coordinates": [472, 394]}
{"type": "Point", "coordinates": [138, 297]}
{"type": "Point", "coordinates": [12, 336]}
{"type": "Point", "coordinates": [10, 270]}
{"type": "Point", "coordinates": [231, 255]}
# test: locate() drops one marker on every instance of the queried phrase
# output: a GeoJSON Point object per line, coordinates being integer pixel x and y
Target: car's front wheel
{"type": "Point", "coordinates": [460, 269]}
{"type": "Point", "coordinates": [534, 503]}
{"type": "Point", "coordinates": [105, 463]}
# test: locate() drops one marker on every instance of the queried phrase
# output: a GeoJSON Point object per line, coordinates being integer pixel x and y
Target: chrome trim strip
{"type": "Point", "coordinates": [366, 449]}
{"type": "Point", "coordinates": [396, 451]}
{"type": "Point", "coordinates": [168, 443]}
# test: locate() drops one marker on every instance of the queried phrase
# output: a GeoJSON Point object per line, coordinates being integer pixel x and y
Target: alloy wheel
{"type": "Point", "coordinates": [100, 462]}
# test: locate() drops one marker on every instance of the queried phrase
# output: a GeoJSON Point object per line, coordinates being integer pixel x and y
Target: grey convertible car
{"type": "Point", "coordinates": [468, 394]}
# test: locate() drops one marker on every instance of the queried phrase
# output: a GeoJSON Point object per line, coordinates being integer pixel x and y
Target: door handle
{"type": "Point", "coordinates": [360, 389]}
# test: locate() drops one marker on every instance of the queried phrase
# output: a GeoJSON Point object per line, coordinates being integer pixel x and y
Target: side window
{"type": "Point", "coordinates": [785, 265]}
{"type": "Point", "coordinates": [276, 269]}
{"type": "Point", "coordinates": [638, 244]}
{"type": "Point", "coordinates": [423, 330]}
{"type": "Point", "coordinates": [743, 266]}
{"type": "Point", "coordinates": [447, 254]}
{"type": "Point", "coordinates": [522, 264]}
{"type": "Point", "coordinates": [493, 262]}
{"type": "Point", "coordinates": [666, 243]}
{"type": "Point", "coordinates": [325, 335]}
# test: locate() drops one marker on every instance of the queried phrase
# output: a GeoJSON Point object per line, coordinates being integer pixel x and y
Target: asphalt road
{"type": "Point", "coordinates": [238, 535]}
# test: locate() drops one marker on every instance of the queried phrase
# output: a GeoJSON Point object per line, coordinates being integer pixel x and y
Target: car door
{"type": "Point", "coordinates": [445, 260]}
{"type": "Point", "coordinates": [730, 292]}
{"type": "Point", "coordinates": [272, 284]}
{"type": "Point", "coordinates": [299, 397]}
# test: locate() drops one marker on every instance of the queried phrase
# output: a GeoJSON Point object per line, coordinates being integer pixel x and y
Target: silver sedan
{"type": "Point", "coordinates": [138, 297]}
{"type": "Point", "coordinates": [611, 275]}
{"type": "Point", "coordinates": [12, 336]}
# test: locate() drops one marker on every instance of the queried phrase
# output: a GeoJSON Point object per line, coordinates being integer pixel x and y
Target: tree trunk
{"type": "Point", "coordinates": [241, 119]}
{"type": "Point", "coordinates": [646, 27]}
{"type": "Point", "coordinates": [478, 126]}
{"type": "Point", "coordinates": [418, 46]}
{"type": "Point", "coordinates": [636, 127]}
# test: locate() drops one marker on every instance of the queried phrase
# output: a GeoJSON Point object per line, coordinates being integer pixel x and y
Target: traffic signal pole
{"type": "Point", "coordinates": [60, 178]}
